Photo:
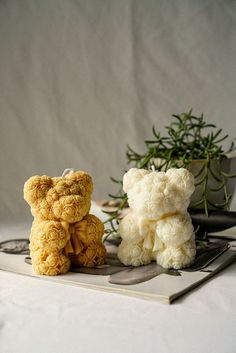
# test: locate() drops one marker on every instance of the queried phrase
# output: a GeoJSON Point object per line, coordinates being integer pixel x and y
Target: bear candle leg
{"type": "Point", "coordinates": [132, 253]}
{"type": "Point", "coordinates": [50, 264]}
{"type": "Point", "coordinates": [91, 256]}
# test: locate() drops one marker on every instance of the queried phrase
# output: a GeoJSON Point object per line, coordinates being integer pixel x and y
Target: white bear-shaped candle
{"type": "Point", "coordinates": [158, 226]}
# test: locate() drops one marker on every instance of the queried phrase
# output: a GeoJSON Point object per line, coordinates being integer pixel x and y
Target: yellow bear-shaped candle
{"type": "Point", "coordinates": [63, 231]}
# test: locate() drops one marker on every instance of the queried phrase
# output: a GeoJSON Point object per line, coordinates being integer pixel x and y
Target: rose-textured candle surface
{"type": "Point", "coordinates": [158, 226]}
{"type": "Point", "coordinates": [63, 231]}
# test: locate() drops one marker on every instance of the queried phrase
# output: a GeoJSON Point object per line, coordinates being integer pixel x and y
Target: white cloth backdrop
{"type": "Point", "coordinates": [78, 81]}
{"type": "Point", "coordinates": [81, 79]}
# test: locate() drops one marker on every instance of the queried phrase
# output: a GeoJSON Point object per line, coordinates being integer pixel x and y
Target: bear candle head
{"type": "Point", "coordinates": [153, 194]}
{"type": "Point", "coordinates": [66, 199]}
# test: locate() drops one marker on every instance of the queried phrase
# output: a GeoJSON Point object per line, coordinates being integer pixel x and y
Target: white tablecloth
{"type": "Point", "coordinates": [38, 316]}
{"type": "Point", "coordinates": [43, 317]}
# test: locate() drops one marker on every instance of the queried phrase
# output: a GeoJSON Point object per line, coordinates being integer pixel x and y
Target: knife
{"type": "Point", "coordinates": [207, 254]}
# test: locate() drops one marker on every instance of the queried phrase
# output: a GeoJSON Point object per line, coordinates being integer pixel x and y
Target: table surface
{"type": "Point", "coordinates": [39, 316]}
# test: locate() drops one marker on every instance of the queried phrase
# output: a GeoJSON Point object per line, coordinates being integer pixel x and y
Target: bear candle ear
{"type": "Point", "coordinates": [83, 178]}
{"type": "Point", "coordinates": [182, 179]}
{"type": "Point", "coordinates": [36, 188]}
{"type": "Point", "coordinates": [133, 176]}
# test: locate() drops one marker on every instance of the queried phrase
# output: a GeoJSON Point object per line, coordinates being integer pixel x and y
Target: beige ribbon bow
{"type": "Point", "coordinates": [148, 229]}
{"type": "Point", "coordinates": [77, 232]}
